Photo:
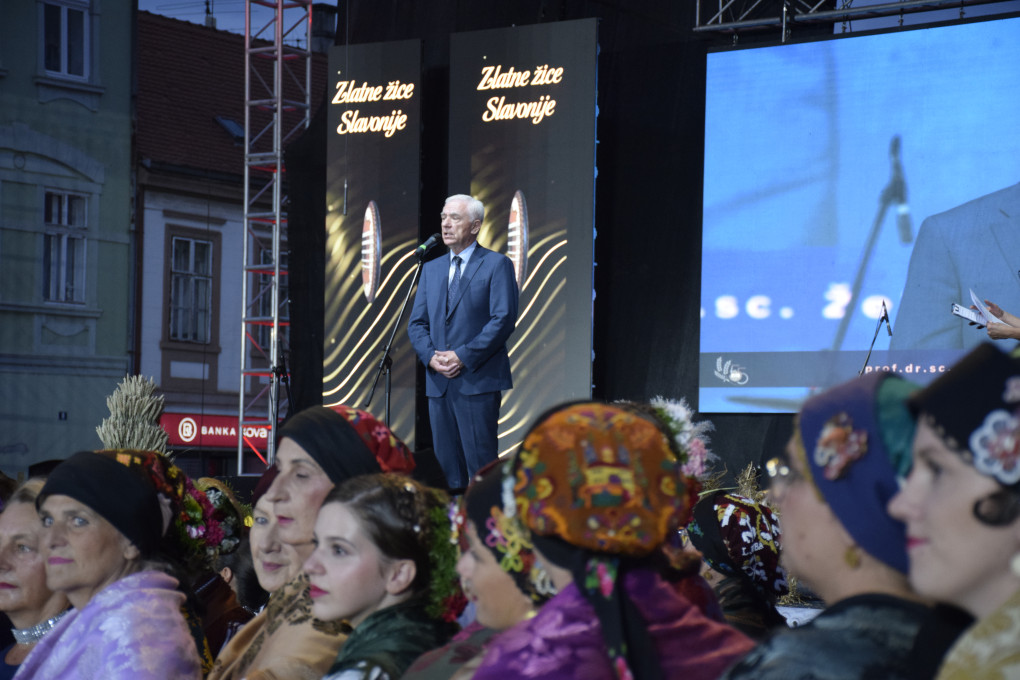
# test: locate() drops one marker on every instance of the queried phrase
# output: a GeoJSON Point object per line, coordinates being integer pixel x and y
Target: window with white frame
{"type": "Point", "coordinates": [65, 38]}
{"type": "Point", "coordinates": [191, 290]}
{"type": "Point", "coordinates": [64, 241]}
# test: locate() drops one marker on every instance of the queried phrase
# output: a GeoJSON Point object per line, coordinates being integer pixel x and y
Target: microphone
{"type": "Point", "coordinates": [885, 317]}
{"type": "Point", "coordinates": [896, 192]}
{"type": "Point", "coordinates": [427, 246]}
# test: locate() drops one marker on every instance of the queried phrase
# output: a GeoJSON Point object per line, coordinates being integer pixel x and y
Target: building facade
{"type": "Point", "coordinates": [189, 162]}
{"type": "Point", "coordinates": [65, 223]}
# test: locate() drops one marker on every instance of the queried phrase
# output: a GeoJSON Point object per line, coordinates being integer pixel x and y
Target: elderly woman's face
{"type": "Point", "coordinates": [499, 603]}
{"type": "Point", "coordinates": [814, 540]}
{"type": "Point", "coordinates": [24, 596]}
{"type": "Point", "coordinates": [276, 563]}
{"type": "Point", "coordinates": [954, 557]}
{"type": "Point", "coordinates": [84, 553]}
{"type": "Point", "coordinates": [297, 492]}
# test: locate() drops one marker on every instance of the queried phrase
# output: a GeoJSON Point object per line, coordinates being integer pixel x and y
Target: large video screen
{"type": "Point", "coordinates": [848, 180]}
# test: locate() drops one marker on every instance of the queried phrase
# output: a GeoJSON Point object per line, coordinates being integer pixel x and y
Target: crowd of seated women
{"type": "Point", "coordinates": [896, 506]}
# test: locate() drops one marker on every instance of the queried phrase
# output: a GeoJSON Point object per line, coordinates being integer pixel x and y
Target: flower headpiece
{"type": "Point", "coordinates": [690, 437]}
{"type": "Point", "coordinates": [192, 517]}
{"type": "Point", "coordinates": [446, 599]}
{"type": "Point", "coordinates": [228, 512]}
{"type": "Point", "coordinates": [506, 538]}
{"type": "Point", "coordinates": [975, 410]}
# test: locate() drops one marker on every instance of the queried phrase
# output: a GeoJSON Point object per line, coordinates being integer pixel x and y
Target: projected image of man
{"type": "Point", "coordinates": [974, 246]}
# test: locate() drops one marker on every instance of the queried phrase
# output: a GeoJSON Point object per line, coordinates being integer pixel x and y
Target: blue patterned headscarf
{"type": "Point", "coordinates": [857, 438]}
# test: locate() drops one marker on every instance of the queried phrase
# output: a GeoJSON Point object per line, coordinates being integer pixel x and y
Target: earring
{"type": "Point", "coordinates": [541, 580]}
{"type": "Point", "coordinates": [1014, 565]}
{"type": "Point", "coordinates": [852, 557]}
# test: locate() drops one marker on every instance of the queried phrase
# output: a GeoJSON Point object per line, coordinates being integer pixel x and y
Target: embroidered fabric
{"type": "Point", "coordinates": [564, 641]}
{"type": "Point", "coordinates": [131, 630]}
{"type": "Point", "coordinates": [989, 650]}
{"type": "Point", "coordinates": [283, 641]}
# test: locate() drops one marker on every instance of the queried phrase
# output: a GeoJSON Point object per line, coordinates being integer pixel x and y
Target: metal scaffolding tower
{"type": "Point", "coordinates": [734, 16]}
{"type": "Point", "coordinates": [277, 92]}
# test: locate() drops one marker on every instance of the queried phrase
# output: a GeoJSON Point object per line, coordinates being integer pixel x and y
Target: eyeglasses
{"type": "Point", "coordinates": [780, 474]}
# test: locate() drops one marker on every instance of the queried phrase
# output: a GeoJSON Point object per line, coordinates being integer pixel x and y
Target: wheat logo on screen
{"type": "Point", "coordinates": [371, 251]}
{"type": "Point", "coordinates": [517, 237]}
{"type": "Point", "coordinates": [730, 372]}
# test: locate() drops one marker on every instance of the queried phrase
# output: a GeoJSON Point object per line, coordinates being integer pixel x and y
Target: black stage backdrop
{"type": "Point", "coordinates": [372, 180]}
{"type": "Point", "coordinates": [522, 140]}
{"type": "Point", "coordinates": [651, 97]}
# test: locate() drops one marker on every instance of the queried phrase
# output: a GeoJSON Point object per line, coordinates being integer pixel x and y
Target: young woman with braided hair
{"type": "Point", "coordinates": [384, 563]}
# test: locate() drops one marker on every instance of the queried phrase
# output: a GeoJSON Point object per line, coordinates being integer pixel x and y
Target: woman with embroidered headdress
{"type": "Point", "coordinates": [739, 539]}
{"type": "Point", "coordinates": [961, 505]}
{"type": "Point", "coordinates": [599, 488]}
{"type": "Point", "coordinates": [683, 568]}
{"type": "Point", "coordinates": [103, 521]}
{"type": "Point", "coordinates": [283, 640]}
{"type": "Point", "coordinates": [384, 563]}
{"type": "Point", "coordinates": [831, 488]}
{"type": "Point", "coordinates": [32, 608]}
{"type": "Point", "coordinates": [498, 573]}
{"type": "Point", "coordinates": [318, 449]}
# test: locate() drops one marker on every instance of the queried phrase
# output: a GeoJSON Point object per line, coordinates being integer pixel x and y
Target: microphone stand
{"type": "Point", "coordinates": [386, 364]}
{"type": "Point", "coordinates": [855, 291]}
{"type": "Point", "coordinates": [896, 188]}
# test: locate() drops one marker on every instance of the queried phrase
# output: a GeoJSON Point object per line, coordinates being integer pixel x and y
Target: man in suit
{"type": "Point", "coordinates": [972, 246]}
{"type": "Point", "coordinates": [464, 311]}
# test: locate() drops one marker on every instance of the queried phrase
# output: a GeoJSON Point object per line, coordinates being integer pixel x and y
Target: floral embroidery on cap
{"type": "Point", "coordinates": [839, 445]}
{"type": "Point", "coordinates": [996, 446]}
{"type": "Point", "coordinates": [1011, 394]}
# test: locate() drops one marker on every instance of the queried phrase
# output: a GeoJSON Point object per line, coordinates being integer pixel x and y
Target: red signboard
{"type": "Point", "coordinates": [210, 432]}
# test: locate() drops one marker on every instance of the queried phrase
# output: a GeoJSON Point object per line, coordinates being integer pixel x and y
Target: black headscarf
{"type": "Point", "coordinates": [334, 442]}
{"type": "Point", "coordinates": [124, 496]}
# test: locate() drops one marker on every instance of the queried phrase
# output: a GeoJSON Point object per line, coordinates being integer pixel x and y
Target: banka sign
{"type": "Point", "coordinates": [196, 430]}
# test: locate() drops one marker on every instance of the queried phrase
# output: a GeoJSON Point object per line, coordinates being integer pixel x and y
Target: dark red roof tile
{"type": "Point", "coordinates": [187, 76]}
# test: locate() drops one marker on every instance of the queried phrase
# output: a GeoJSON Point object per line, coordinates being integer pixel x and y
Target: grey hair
{"type": "Point", "coordinates": [475, 207]}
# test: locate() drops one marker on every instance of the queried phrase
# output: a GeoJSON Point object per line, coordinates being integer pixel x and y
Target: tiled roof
{"type": "Point", "coordinates": [187, 76]}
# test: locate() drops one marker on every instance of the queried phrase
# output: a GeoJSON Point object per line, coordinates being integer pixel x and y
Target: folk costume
{"type": "Point", "coordinates": [856, 441]}
{"type": "Point", "coordinates": [990, 650]}
{"type": "Point", "coordinates": [284, 640]}
{"type": "Point", "coordinates": [135, 626]}
{"type": "Point", "coordinates": [130, 630]}
{"type": "Point", "coordinates": [975, 411]}
{"type": "Point", "coordinates": [599, 487]}
{"type": "Point", "coordinates": [740, 539]}
{"type": "Point", "coordinates": [512, 549]}
{"type": "Point", "coordinates": [388, 641]}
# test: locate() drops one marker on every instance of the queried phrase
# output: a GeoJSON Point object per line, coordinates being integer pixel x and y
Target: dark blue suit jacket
{"type": "Point", "coordinates": [476, 327]}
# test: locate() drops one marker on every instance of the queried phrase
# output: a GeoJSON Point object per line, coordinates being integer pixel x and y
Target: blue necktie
{"type": "Point", "coordinates": [451, 293]}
